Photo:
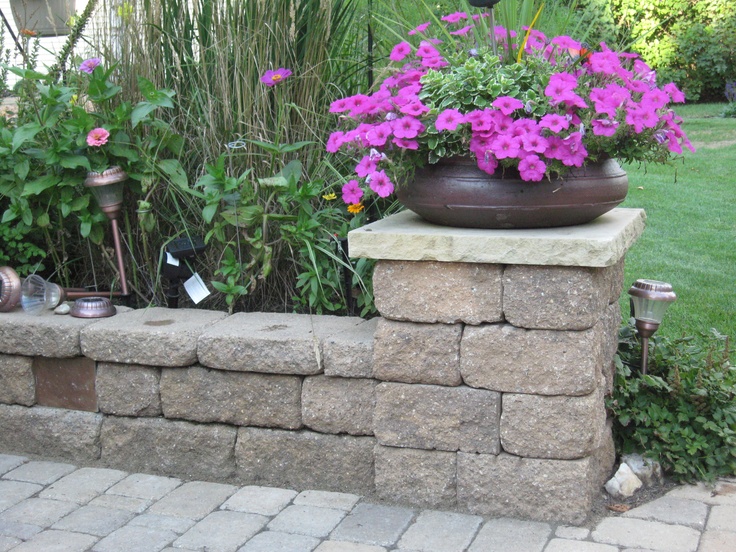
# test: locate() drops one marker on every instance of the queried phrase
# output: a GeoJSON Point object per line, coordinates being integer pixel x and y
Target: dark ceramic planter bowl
{"type": "Point", "coordinates": [454, 192]}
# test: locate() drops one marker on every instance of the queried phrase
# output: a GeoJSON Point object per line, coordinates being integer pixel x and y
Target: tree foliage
{"type": "Point", "coordinates": [690, 42]}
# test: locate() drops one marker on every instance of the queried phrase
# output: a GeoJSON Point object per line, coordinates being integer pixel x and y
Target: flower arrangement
{"type": "Point", "coordinates": [537, 108]}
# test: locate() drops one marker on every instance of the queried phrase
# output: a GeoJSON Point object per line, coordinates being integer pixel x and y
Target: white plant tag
{"type": "Point", "coordinates": [196, 289]}
{"type": "Point", "coordinates": [170, 259]}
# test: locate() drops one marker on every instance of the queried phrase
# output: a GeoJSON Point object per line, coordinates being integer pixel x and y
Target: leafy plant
{"type": "Point", "coordinates": [687, 41]}
{"type": "Point", "coordinates": [61, 131]}
{"type": "Point", "coordinates": [17, 251]}
{"type": "Point", "coordinates": [279, 223]}
{"type": "Point", "coordinates": [683, 412]}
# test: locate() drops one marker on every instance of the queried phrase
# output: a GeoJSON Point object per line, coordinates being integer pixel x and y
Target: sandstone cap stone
{"type": "Point", "coordinates": [155, 336]}
{"type": "Point", "coordinates": [405, 236]}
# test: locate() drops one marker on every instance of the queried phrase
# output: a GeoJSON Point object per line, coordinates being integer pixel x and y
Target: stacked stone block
{"type": "Point", "coordinates": [493, 383]}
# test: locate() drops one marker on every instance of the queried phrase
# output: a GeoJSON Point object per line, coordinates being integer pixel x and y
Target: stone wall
{"type": "Point", "coordinates": [480, 388]}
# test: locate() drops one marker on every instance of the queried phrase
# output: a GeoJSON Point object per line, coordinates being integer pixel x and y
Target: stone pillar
{"type": "Point", "coordinates": [493, 355]}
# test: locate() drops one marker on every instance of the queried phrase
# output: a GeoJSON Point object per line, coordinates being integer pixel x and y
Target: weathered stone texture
{"type": "Point", "coordinates": [408, 352]}
{"type": "Point", "coordinates": [46, 334]}
{"type": "Point", "coordinates": [50, 432]}
{"type": "Point", "coordinates": [65, 383]}
{"type": "Point", "coordinates": [128, 389]}
{"type": "Point", "coordinates": [238, 398]}
{"type": "Point", "coordinates": [339, 405]}
{"type": "Point", "coordinates": [425, 478]}
{"type": "Point", "coordinates": [349, 354]}
{"type": "Point", "coordinates": [435, 417]}
{"type": "Point", "coordinates": [546, 362]}
{"type": "Point", "coordinates": [608, 327]}
{"type": "Point", "coordinates": [16, 380]}
{"type": "Point", "coordinates": [563, 428]}
{"type": "Point", "coordinates": [305, 460]}
{"type": "Point", "coordinates": [154, 336]}
{"type": "Point", "coordinates": [274, 343]}
{"type": "Point", "coordinates": [167, 447]}
{"type": "Point", "coordinates": [438, 292]}
{"type": "Point", "coordinates": [510, 486]}
{"type": "Point", "coordinates": [615, 275]}
{"type": "Point", "coordinates": [555, 297]}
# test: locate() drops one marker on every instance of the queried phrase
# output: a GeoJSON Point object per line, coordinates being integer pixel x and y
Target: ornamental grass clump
{"type": "Point", "coordinates": [534, 105]}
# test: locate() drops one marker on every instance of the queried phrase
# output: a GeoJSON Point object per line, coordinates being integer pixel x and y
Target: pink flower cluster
{"type": "Point", "coordinates": [589, 107]}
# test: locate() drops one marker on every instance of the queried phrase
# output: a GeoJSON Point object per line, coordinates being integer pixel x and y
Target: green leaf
{"type": "Point", "coordinates": [85, 228]}
{"type": "Point", "coordinates": [25, 133]}
{"type": "Point", "coordinates": [271, 148]}
{"type": "Point", "coordinates": [43, 220]}
{"type": "Point", "coordinates": [40, 184]}
{"type": "Point", "coordinates": [140, 112]}
{"type": "Point", "coordinates": [74, 161]}
{"type": "Point", "coordinates": [288, 148]}
{"type": "Point", "coordinates": [277, 181]}
{"type": "Point", "coordinates": [173, 169]}
{"type": "Point", "coordinates": [21, 169]}
{"type": "Point", "coordinates": [209, 212]}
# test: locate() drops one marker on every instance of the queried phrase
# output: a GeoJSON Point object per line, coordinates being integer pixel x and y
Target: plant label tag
{"type": "Point", "coordinates": [170, 259]}
{"type": "Point", "coordinates": [196, 289]}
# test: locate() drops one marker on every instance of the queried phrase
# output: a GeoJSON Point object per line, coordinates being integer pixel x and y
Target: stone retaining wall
{"type": "Point", "coordinates": [481, 388]}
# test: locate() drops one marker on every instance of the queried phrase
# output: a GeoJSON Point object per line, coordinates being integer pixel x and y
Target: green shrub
{"type": "Point", "coordinates": [690, 42]}
{"type": "Point", "coordinates": [18, 251]}
{"type": "Point", "coordinates": [683, 411]}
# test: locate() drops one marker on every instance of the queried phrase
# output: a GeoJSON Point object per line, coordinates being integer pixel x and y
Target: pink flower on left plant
{"type": "Point", "coordinates": [88, 65]}
{"type": "Point", "coordinates": [97, 137]}
{"type": "Point", "coordinates": [272, 77]}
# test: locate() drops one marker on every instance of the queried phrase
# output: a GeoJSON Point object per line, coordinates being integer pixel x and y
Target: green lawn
{"type": "Point", "coordinates": [690, 239]}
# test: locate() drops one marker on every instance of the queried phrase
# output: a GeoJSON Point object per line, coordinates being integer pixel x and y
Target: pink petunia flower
{"type": "Point", "coordinates": [675, 94]}
{"type": "Point", "coordinates": [556, 123]}
{"type": "Point", "coordinates": [505, 147]}
{"type": "Point", "coordinates": [97, 137]}
{"type": "Point", "coordinates": [352, 192]}
{"type": "Point", "coordinates": [463, 31]}
{"type": "Point", "coordinates": [487, 163]}
{"type": "Point", "coordinates": [507, 105]}
{"type": "Point", "coordinates": [604, 127]}
{"type": "Point", "coordinates": [427, 50]}
{"type": "Point", "coordinates": [449, 119]}
{"type": "Point", "coordinates": [378, 135]}
{"type": "Point", "coordinates": [400, 51]}
{"type": "Point", "coordinates": [532, 168]}
{"type": "Point", "coordinates": [454, 17]}
{"type": "Point", "coordinates": [606, 62]}
{"type": "Point", "coordinates": [380, 183]}
{"type": "Point", "coordinates": [88, 65]}
{"type": "Point", "coordinates": [420, 28]}
{"type": "Point", "coordinates": [366, 166]}
{"type": "Point", "coordinates": [272, 77]}
{"type": "Point", "coordinates": [407, 127]}
{"type": "Point", "coordinates": [406, 144]}
{"type": "Point", "coordinates": [334, 142]}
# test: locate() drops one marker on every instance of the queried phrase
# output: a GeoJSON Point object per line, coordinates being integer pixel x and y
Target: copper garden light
{"type": "Point", "coordinates": [650, 299]}
{"type": "Point", "coordinates": [107, 187]}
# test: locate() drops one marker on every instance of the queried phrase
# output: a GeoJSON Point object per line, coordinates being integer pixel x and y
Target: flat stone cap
{"type": "Point", "coordinates": [406, 237]}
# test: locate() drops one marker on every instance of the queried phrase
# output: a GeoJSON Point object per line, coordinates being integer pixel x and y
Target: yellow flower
{"type": "Point", "coordinates": [355, 208]}
{"type": "Point", "coordinates": [330, 196]}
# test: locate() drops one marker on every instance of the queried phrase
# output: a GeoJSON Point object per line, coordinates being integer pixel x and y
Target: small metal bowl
{"type": "Point", "coordinates": [92, 307]}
